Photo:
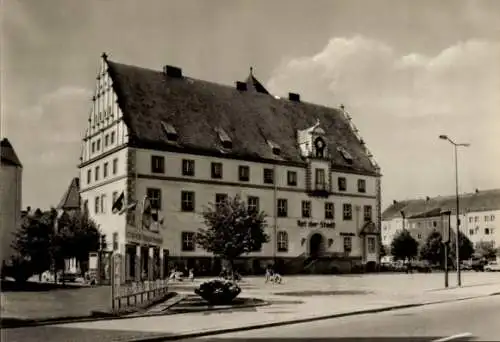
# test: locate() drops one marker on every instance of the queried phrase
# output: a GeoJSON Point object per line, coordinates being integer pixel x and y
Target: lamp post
{"type": "Point", "coordinates": [457, 247]}
{"type": "Point", "coordinates": [445, 225]}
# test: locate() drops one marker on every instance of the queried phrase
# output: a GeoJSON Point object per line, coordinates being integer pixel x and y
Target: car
{"type": "Point", "coordinates": [492, 267]}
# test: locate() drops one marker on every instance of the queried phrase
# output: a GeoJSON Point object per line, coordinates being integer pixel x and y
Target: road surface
{"type": "Point", "coordinates": [477, 318]}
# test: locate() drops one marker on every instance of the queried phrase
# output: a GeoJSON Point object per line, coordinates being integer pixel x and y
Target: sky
{"type": "Point", "coordinates": [407, 71]}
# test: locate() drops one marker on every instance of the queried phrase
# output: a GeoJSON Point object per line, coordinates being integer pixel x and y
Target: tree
{"type": "Point", "coordinates": [232, 230]}
{"type": "Point", "coordinates": [34, 244]}
{"type": "Point", "coordinates": [433, 249]}
{"type": "Point", "coordinates": [404, 246]}
{"type": "Point", "coordinates": [465, 245]}
{"type": "Point", "coordinates": [486, 249]}
{"type": "Point", "coordinates": [382, 249]}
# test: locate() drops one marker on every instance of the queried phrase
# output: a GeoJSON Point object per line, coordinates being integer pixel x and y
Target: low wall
{"type": "Point", "coordinates": [138, 294]}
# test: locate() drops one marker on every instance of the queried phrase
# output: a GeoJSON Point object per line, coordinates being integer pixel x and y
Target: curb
{"type": "Point", "coordinates": [170, 337]}
{"type": "Point", "coordinates": [110, 317]}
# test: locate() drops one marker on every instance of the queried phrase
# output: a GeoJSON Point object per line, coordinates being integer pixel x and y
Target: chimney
{"type": "Point", "coordinates": [294, 97]}
{"type": "Point", "coordinates": [28, 209]}
{"type": "Point", "coordinates": [477, 191]}
{"type": "Point", "coordinates": [427, 198]}
{"type": "Point", "coordinates": [172, 71]}
{"type": "Point", "coordinates": [241, 86]}
{"type": "Point", "coordinates": [394, 202]}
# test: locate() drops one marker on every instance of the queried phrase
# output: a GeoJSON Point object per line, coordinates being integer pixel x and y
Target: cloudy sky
{"type": "Point", "coordinates": [406, 70]}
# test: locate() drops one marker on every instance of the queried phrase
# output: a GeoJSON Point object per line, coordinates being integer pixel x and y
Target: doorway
{"type": "Point", "coordinates": [315, 245]}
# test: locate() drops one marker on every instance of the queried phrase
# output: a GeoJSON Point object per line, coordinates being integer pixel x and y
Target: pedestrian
{"type": "Point", "coordinates": [269, 273]}
{"type": "Point", "coordinates": [191, 274]}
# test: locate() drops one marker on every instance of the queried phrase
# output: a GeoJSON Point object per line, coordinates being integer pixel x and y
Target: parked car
{"type": "Point", "coordinates": [478, 265]}
{"type": "Point", "coordinates": [492, 266]}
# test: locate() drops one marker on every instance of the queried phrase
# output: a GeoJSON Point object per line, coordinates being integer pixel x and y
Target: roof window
{"type": "Point", "coordinates": [275, 147]}
{"type": "Point", "coordinates": [346, 155]}
{"type": "Point", "coordinates": [224, 138]}
{"type": "Point", "coordinates": [170, 131]}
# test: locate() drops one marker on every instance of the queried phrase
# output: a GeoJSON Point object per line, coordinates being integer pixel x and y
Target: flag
{"type": "Point", "coordinates": [128, 208]}
{"type": "Point", "coordinates": [119, 203]}
{"type": "Point", "coordinates": [147, 212]}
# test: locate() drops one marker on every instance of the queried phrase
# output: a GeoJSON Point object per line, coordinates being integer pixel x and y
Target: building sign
{"type": "Point", "coordinates": [143, 236]}
{"type": "Point", "coordinates": [315, 224]}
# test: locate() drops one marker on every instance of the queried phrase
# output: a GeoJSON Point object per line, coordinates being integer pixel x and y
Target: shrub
{"type": "Point", "coordinates": [218, 292]}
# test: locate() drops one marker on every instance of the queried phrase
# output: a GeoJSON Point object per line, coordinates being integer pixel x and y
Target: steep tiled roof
{"type": "Point", "coordinates": [8, 155]}
{"type": "Point", "coordinates": [196, 109]}
{"type": "Point", "coordinates": [71, 198]}
{"type": "Point", "coordinates": [471, 202]}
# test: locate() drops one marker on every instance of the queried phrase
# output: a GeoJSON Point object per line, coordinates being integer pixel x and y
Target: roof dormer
{"type": "Point", "coordinates": [345, 154]}
{"type": "Point", "coordinates": [313, 141]}
{"type": "Point", "coordinates": [224, 138]}
{"type": "Point", "coordinates": [170, 131]}
{"type": "Point", "coordinates": [274, 147]}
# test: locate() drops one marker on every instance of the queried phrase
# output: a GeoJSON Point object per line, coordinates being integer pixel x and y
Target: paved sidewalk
{"type": "Point", "coordinates": [283, 311]}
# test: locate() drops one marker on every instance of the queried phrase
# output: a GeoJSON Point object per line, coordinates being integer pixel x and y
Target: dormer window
{"type": "Point", "coordinates": [319, 147]}
{"type": "Point", "coordinates": [346, 155]}
{"type": "Point", "coordinates": [226, 142]}
{"type": "Point", "coordinates": [170, 131]}
{"type": "Point", "coordinates": [275, 147]}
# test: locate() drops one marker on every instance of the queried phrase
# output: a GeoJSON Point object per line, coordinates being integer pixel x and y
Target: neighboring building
{"type": "Point", "coordinates": [70, 204]}
{"type": "Point", "coordinates": [11, 178]}
{"type": "Point", "coordinates": [479, 214]}
{"type": "Point", "coordinates": [184, 143]}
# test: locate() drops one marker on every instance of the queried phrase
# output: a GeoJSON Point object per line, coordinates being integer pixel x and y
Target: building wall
{"type": "Point", "coordinates": [390, 228]}
{"type": "Point", "coordinates": [172, 182]}
{"type": "Point", "coordinates": [10, 206]}
{"type": "Point", "coordinates": [482, 226]}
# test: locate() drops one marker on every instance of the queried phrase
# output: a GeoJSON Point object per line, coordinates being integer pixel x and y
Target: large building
{"type": "Point", "coordinates": [479, 214]}
{"type": "Point", "coordinates": [185, 142]}
{"type": "Point", "coordinates": [11, 179]}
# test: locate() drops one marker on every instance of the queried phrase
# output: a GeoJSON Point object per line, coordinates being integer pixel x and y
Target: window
{"type": "Point", "coordinates": [471, 219]}
{"type": "Point", "coordinates": [224, 138]}
{"type": "Point", "coordinates": [106, 140]}
{"type": "Point", "coordinates": [361, 185]}
{"type": "Point", "coordinates": [471, 231]}
{"type": "Point", "coordinates": [292, 178]}
{"type": "Point", "coordinates": [97, 205]}
{"type": "Point", "coordinates": [486, 231]}
{"type": "Point", "coordinates": [476, 218]}
{"type": "Point", "coordinates": [157, 164]}
{"type": "Point", "coordinates": [253, 203]}
{"type": "Point", "coordinates": [188, 241]}
{"type": "Point", "coordinates": [282, 207]}
{"type": "Point", "coordinates": [434, 223]}
{"type": "Point", "coordinates": [98, 145]}
{"type": "Point", "coordinates": [217, 170]}
{"type": "Point", "coordinates": [114, 197]}
{"type": "Point", "coordinates": [187, 167]}
{"type": "Point", "coordinates": [306, 209]}
{"type": "Point", "coordinates": [347, 156]}
{"type": "Point", "coordinates": [187, 201]}
{"type": "Point", "coordinates": [112, 138]}
{"type": "Point", "coordinates": [105, 170]}
{"type": "Point", "coordinates": [93, 146]}
{"type": "Point", "coordinates": [154, 196]}
{"type": "Point", "coordinates": [342, 183]}
{"type": "Point", "coordinates": [115, 241]}
{"type": "Point", "coordinates": [282, 241]}
{"type": "Point", "coordinates": [371, 244]}
{"type": "Point", "coordinates": [89, 176]}
{"type": "Point", "coordinates": [347, 244]}
{"type": "Point", "coordinates": [220, 199]}
{"type": "Point", "coordinates": [347, 210]}
{"type": "Point", "coordinates": [419, 235]}
{"type": "Point", "coordinates": [103, 203]}
{"type": "Point", "coordinates": [268, 176]}
{"type": "Point", "coordinates": [244, 173]}
{"type": "Point", "coordinates": [486, 218]}
{"type": "Point", "coordinates": [115, 166]}
{"type": "Point", "coordinates": [492, 218]}
{"type": "Point", "coordinates": [320, 179]}
{"type": "Point", "coordinates": [170, 131]}
{"type": "Point", "coordinates": [329, 213]}
{"type": "Point", "coordinates": [367, 213]}
{"type": "Point", "coordinates": [96, 173]}
{"type": "Point", "coordinates": [85, 207]}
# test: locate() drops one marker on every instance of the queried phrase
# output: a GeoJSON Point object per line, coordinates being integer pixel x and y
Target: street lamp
{"type": "Point", "coordinates": [457, 247]}
{"type": "Point", "coordinates": [445, 226]}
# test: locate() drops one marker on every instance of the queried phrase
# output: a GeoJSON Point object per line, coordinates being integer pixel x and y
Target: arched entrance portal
{"type": "Point", "coordinates": [315, 245]}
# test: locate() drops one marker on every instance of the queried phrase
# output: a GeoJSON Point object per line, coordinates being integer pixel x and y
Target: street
{"type": "Point", "coordinates": [478, 317]}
